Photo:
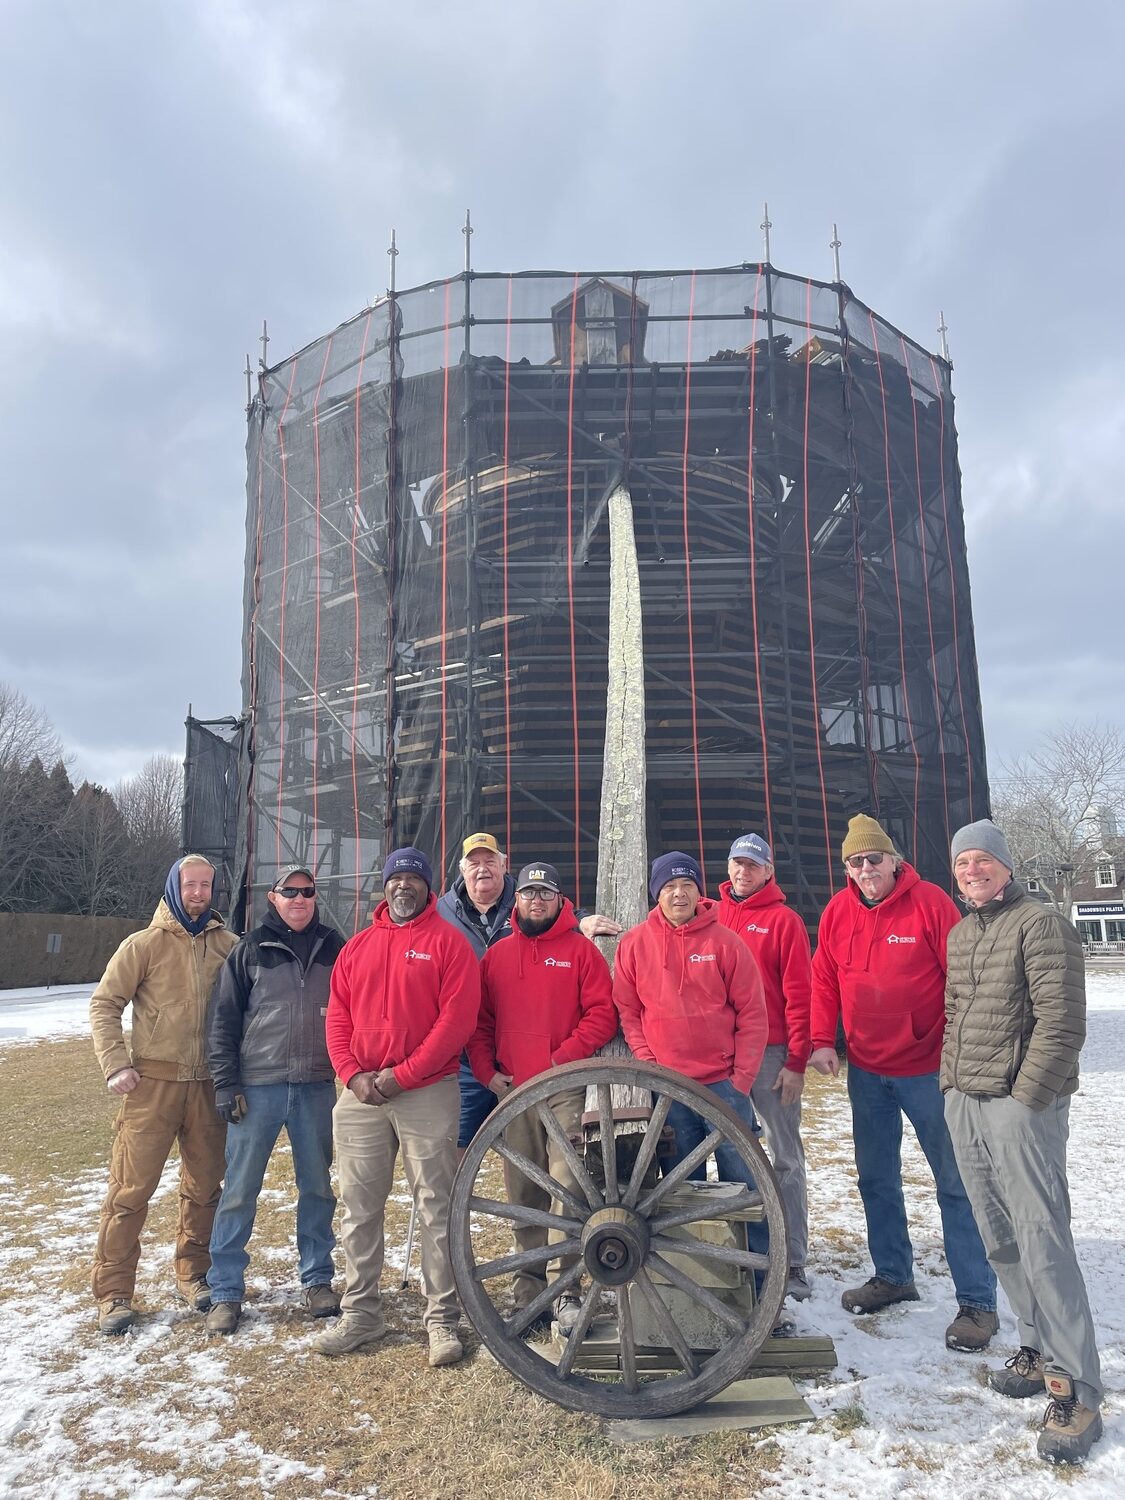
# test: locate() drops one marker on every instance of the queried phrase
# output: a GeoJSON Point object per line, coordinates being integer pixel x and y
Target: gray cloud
{"type": "Point", "coordinates": [170, 175]}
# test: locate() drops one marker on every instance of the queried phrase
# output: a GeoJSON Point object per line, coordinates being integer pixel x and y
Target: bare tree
{"type": "Point", "coordinates": [1060, 805]}
{"type": "Point", "coordinates": [95, 853]}
{"type": "Point", "coordinates": [28, 743]}
{"type": "Point", "coordinates": [151, 806]}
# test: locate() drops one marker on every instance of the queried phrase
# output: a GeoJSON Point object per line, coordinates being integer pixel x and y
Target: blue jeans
{"type": "Point", "coordinates": [305, 1110]}
{"type": "Point", "coordinates": [690, 1128]}
{"type": "Point", "coordinates": [477, 1103]}
{"type": "Point", "coordinates": [878, 1105]}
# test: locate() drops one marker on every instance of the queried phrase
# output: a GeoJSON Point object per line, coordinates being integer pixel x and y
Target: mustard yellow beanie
{"type": "Point", "coordinates": [864, 837]}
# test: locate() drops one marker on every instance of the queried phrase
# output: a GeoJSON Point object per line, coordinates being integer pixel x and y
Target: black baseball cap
{"type": "Point", "coordinates": [544, 875]}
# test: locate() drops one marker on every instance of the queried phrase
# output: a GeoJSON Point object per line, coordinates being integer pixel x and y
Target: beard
{"type": "Point", "coordinates": [404, 905]}
{"type": "Point", "coordinates": [537, 928]}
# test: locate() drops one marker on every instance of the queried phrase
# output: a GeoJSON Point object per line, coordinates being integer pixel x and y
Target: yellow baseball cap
{"type": "Point", "coordinates": [479, 841]}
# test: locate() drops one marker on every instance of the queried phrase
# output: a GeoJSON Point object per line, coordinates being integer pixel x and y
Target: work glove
{"type": "Point", "coordinates": [230, 1105]}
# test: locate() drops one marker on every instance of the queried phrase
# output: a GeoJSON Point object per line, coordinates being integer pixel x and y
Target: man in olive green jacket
{"type": "Point", "coordinates": [1015, 1005]}
{"type": "Point", "coordinates": [166, 972]}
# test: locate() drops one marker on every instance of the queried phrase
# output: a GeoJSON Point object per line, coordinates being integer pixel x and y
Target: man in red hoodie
{"type": "Point", "coordinates": [690, 998]}
{"type": "Point", "coordinates": [752, 904]}
{"type": "Point", "coordinates": [880, 966]}
{"type": "Point", "coordinates": [403, 1002]}
{"type": "Point", "coordinates": [546, 999]}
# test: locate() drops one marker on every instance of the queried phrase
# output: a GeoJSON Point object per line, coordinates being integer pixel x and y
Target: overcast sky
{"type": "Point", "coordinates": [171, 173]}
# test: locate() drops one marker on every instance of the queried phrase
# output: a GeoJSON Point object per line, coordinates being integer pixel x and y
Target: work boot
{"type": "Point", "coordinates": [223, 1317]}
{"type": "Point", "coordinates": [1070, 1429]}
{"type": "Point", "coordinates": [1022, 1375]}
{"type": "Point", "coordinates": [445, 1348]}
{"type": "Point", "coordinates": [875, 1294]}
{"type": "Point", "coordinates": [972, 1329]}
{"type": "Point", "coordinates": [348, 1335]}
{"type": "Point", "coordinates": [568, 1309]}
{"type": "Point", "coordinates": [115, 1315]}
{"type": "Point", "coordinates": [321, 1301]}
{"type": "Point", "coordinates": [195, 1292]}
{"type": "Point", "coordinates": [798, 1287]}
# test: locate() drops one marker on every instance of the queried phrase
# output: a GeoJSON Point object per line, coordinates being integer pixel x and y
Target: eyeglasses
{"type": "Point", "coordinates": [857, 861]}
{"type": "Point", "coordinates": [536, 893]}
{"type": "Point", "coordinates": [291, 892]}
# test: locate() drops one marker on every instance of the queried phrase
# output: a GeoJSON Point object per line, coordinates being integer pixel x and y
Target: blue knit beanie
{"type": "Point", "coordinates": [408, 861]}
{"type": "Point", "coordinates": [673, 866]}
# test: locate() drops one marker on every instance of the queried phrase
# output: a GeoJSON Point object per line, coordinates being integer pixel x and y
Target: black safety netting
{"type": "Point", "coordinates": [213, 778]}
{"type": "Point", "coordinates": [427, 590]}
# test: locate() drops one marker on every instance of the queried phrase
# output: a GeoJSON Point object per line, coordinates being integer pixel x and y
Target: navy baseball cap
{"type": "Point", "coordinates": [752, 846]}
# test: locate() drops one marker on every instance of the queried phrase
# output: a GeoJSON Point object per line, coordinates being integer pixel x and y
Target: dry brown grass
{"type": "Point", "coordinates": [378, 1422]}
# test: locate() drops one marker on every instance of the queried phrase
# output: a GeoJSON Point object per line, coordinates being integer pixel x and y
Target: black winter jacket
{"type": "Point", "coordinates": [460, 912]}
{"type": "Point", "coordinates": [265, 1022]}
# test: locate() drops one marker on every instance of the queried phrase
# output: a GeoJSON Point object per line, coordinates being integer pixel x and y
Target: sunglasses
{"type": "Point", "coordinates": [291, 892]}
{"type": "Point", "coordinates": [857, 861]}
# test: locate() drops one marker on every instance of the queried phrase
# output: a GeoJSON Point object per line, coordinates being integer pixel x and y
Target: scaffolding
{"type": "Point", "coordinates": [427, 592]}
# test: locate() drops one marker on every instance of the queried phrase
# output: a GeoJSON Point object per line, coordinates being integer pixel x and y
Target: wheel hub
{"type": "Point", "coordinates": [614, 1245]}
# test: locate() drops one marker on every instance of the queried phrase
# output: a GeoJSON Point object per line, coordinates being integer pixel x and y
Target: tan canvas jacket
{"type": "Point", "coordinates": [167, 975]}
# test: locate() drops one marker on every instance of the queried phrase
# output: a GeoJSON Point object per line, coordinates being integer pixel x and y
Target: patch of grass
{"type": "Point", "coordinates": [849, 1417]}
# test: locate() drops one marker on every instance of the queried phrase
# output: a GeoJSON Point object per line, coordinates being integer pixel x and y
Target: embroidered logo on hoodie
{"type": "Point", "coordinates": [893, 937]}
{"type": "Point", "coordinates": [701, 958]}
{"type": "Point", "coordinates": [557, 963]}
{"type": "Point", "coordinates": [413, 953]}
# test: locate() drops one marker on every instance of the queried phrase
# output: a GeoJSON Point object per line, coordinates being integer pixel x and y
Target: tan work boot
{"type": "Point", "coordinates": [445, 1348]}
{"type": "Point", "coordinates": [196, 1293]}
{"type": "Point", "coordinates": [347, 1335]}
{"type": "Point", "coordinates": [321, 1301]}
{"type": "Point", "coordinates": [223, 1317]}
{"type": "Point", "coordinates": [115, 1315]}
{"type": "Point", "coordinates": [1070, 1429]}
{"type": "Point", "coordinates": [875, 1294]}
{"type": "Point", "coordinates": [1022, 1375]}
{"type": "Point", "coordinates": [972, 1329]}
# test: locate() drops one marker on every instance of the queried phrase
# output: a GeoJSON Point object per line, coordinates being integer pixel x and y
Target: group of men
{"type": "Point", "coordinates": [970, 1027]}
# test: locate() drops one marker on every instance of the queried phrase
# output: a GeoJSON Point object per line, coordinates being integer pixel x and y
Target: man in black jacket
{"type": "Point", "coordinates": [269, 1060]}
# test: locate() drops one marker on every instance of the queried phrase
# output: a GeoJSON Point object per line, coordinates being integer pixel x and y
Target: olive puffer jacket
{"type": "Point", "coordinates": [167, 975]}
{"type": "Point", "coordinates": [1015, 1002]}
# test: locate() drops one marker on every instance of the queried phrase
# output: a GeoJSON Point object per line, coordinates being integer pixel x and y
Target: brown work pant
{"type": "Point", "coordinates": [422, 1125]}
{"type": "Point", "coordinates": [158, 1113]}
{"type": "Point", "coordinates": [526, 1135]}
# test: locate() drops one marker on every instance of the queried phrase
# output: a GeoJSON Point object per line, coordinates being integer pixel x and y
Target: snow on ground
{"type": "Point", "coordinates": [906, 1418]}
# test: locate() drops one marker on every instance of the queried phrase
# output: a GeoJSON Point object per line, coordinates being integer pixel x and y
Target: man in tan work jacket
{"type": "Point", "coordinates": [166, 972]}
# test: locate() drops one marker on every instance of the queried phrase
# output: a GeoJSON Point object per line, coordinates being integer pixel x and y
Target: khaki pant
{"type": "Point", "coordinates": [157, 1114]}
{"type": "Point", "coordinates": [526, 1135]}
{"type": "Point", "coordinates": [422, 1124]}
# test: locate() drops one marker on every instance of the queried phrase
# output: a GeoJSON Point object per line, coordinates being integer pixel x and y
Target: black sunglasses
{"type": "Point", "coordinates": [291, 892]}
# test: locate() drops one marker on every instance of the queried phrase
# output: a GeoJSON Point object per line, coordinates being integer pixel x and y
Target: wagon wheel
{"type": "Point", "coordinates": [619, 1231]}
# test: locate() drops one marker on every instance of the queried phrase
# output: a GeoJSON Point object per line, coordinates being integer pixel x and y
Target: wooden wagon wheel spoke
{"type": "Point", "coordinates": [549, 1120]}
{"type": "Point", "coordinates": [680, 1172]}
{"type": "Point", "coordinates": [626, 1339]}
{"type": "Point", "coordinates": [698, 1293]}
{"type": "Point", "coordinates": [579, 1331]}
{"type": "Point", "coordinates": [656, 1124]}
{"type": "Point", "coordinates": [676, 1341]}
{"type": "Point", "coordinates": [520, 1213]}
{"type": "Point", "coordinates": [541, 1179]}
{"type": "Point", "coordinates": [704, 1250]}
{"type": "Point", "coordinates": [608, 1141]}
{"type": "Point", "coordinates": [520, 1260]}
{"type": "Point", "coordinates": [620, 1241]}
{"type": "Point", "coordinates": [525, 1316]}
{"type": "Point", "coordinates": [694, 1212]}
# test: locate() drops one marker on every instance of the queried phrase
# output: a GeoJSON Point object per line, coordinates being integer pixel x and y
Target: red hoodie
{"type": "Point", "coordinates": [776, 937]}
{"type": "Point", "coordinates": [883, 968]}
{"type": "Point", "coordinates": [403, 997]}
{"type": "Point", "coordinates": [690, 998]}
{"type": "Point", "coordinates": [544, 1001]}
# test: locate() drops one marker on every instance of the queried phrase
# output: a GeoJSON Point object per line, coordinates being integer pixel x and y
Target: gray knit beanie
{"type": "Point", "coordinates": [983, 835]}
